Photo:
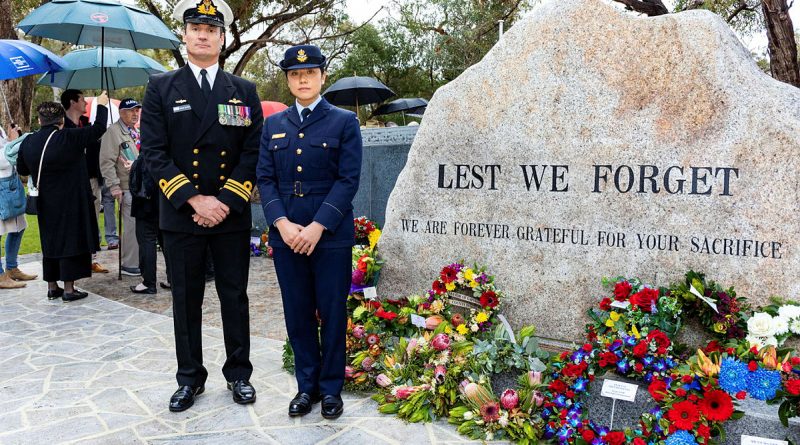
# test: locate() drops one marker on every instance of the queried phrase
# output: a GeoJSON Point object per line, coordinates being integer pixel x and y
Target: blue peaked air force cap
{"type": "Point", "coordinates": [302, 56]}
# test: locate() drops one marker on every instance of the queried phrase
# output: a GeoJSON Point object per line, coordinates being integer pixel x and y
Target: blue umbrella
{"type": "Point", "coordinates": [121, 68]}
{"type": "Point", "coordinates": [19, 58]}
{"type": "Point", "coordinates": [99, 23]}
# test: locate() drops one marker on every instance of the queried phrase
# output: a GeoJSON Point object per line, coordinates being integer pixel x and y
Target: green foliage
{"type": "Point", "coordinates": [746, 21]}
{"type": "Point", "coordinates": [288, 357]}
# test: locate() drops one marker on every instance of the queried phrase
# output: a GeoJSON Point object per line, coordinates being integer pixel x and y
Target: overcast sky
{"type": "Point", "coordinates": [360, 10]}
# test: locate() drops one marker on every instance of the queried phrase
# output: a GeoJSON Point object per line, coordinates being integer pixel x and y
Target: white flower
{"type": "Point", "coordinates": [789, 311]}
{"type": "Point", "coordinates": [473, 327]}
{"type": "Point", "coordinates": [761, 342]}
{"type": "Point", "coordinates": [761, 325]}
{"type": "Point", "coordinates": [780, 325]}
{"type": "Point", "coordinates": [468, 415]}
{"type": "Point", "coordinates": [503, 421]}
{"type": "Point", "coordinates": [489, 435]}
{"type": "Point", "coordinates": [794, 326]}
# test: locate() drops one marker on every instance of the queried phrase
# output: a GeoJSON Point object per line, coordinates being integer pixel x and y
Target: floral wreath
{"type": "Point", "coordinates": [629, 336]}
{"type": "Point", "coordinates": [458, 282]}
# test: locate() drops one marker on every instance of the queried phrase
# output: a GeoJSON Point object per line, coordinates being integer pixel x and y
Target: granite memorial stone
{"type": "Point", "coordinates": [592, 143]}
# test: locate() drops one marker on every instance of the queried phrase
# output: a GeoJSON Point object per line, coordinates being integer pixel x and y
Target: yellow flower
{"type": "Point", "coordinates": [610, 323]}
{"type": "Point", "coordinates": [448, 330]}
{"type": "Point", "coordinates": [635, 332]}
{"type": "Point", "coordinates": [373, 238]}
{"type": "Point", "coordinates": [481, 317]}
{"type": "Point", "coordinates": [706, 366]}
{"type": "Point", "coordinates": [473, 284]}
{"type": "Point", "coordinates": [462, 329]}
{"type": "Point", "coordinates": [450, 286]}
{"type": "Point", "coordinates": [469, 274]}
{"type": "Point", "coordinates": [613, 315]}
{"type": "Point", "coordinates": [437, 306]}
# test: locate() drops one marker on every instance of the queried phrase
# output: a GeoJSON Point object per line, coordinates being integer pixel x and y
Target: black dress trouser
{"type": "Point", "coordinates": [186, 255]}
{"type": "Point", "coordinates": [149, 238]}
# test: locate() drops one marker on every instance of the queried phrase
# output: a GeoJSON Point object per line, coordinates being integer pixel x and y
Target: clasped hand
{"type": "Point", "coordinates": [300, 239]}
{"type": "Point", "coordinates": [209, 211]}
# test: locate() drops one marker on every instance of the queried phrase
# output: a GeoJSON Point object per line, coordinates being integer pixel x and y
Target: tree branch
{"type": "Point", "coordinates": [648, 7]}
{"type": "Point", "coordinates": [742, 6]}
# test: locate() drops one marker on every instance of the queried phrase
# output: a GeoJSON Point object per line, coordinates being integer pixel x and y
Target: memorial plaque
{"type": "Point", "coordinates": [590, 142]}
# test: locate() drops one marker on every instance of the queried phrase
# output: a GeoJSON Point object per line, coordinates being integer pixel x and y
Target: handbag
{"type": "Point", "coordinates": [12, 196]}
{"type": "Point", "coordinates": [32, 203]}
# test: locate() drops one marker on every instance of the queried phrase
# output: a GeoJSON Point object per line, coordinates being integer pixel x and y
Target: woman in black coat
{"type": "Point", "coordinates": [67, 224]}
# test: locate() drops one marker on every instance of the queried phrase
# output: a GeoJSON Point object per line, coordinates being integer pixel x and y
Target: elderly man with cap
{"type": "Point", "coordinates": [200, 137]}
{"type": "Point", "coordinates": [308, 173]}
{"type": "Point", "coordinates": [119, 147]}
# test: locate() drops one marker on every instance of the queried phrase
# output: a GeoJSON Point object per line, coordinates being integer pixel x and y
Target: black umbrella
{"type": "Point", "coordinates": [414, 105]}
{"type": "Point", "coordinates": [357, 90]}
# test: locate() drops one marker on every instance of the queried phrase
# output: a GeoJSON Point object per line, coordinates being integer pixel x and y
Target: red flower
{"type": "Point", "coordinates": [489, 299]}
{"type": "Point", "coordinates": [645, 299]}
{"type": "Point", "coordinates": [640, 350]}
{"type": "Point", "coordinates": [638, 441]}
{"type": "Point", "coordinates": [795, 360]}
{"type": "Point", "coordinates": [587, 347]}
{"type": "Point", "coordinates": [490, 411]}
{"type": "Point", "coordinates": [741, 395]}
{"type": "Point", "coordinates": [657, 389]}
{"type": "Point", "coordinates": [716, 406]}
{"type": "Point", "coordinates": [605, 304]}
{"type": "Point", "coordinates": [680, 392]}
{"type": "Point", "coordinates": [615, 438]}
{"type": "Point", "coordinates": [752, 366]}
{"type": "Point", "coordinates": [793, 387]}
{"type": "Point", "coordinates": [713, 346]}
{"type": "Point", "coordinates": [362, 265]}
{"type": "Point", "coordinates": [608, 359]}
{"type": "Point", "coordinates": [386, 315]}
{"type": "Point", "coordinates": [373, 339]}
{"type": "Point", "coordinates": [622, 290]}
{"type": "Point", "coordinates": [438, 287]}
{"type": "Point", "coordinates": [638, 366]}
{"type": "Point", "coordinates": [448, 274]}
{"type": "Point", "coordinates": [587, 435]}
{"type": "Point", "coordinates": [557, 386]}
{"type": "Point", "coordinates": [683, 415]}
{"type": "Point", "coordinates": [661, 339]}
{"type": "Point", "coordinates": [572, 370]}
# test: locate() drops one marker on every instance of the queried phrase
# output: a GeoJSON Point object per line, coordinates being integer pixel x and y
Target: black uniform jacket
{"type": "Point", "coordinates": [189, 151]}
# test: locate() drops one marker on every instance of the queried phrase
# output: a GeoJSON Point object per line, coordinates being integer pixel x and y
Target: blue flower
{"type": "Point", "coordinates": [733, 375]}
{"type": "Point", "coordinates": [580, 384]}
{"type": "Point", "coordinates": [763, 384]}
{"type": "Point", "coordinates": [623, 367]}
{"type": "Point", "coordinates": [681, 438]}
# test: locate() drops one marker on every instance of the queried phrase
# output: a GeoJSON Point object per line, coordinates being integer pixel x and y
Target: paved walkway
{"type": "Point", "coordinates": [99, 372]}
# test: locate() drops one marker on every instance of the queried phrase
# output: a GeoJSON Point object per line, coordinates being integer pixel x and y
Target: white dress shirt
{"type": "Point", "coordinates": [311, 107]}
{"type": "Point", "coordinates": [211, 73]}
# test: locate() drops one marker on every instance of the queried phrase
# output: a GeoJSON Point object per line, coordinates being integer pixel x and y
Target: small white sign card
{"type": "Point", "coordinates": [418, 321]}
{"type": "Point", "coordinates": [370, 293]}
{"type": "Point", "coordinates": [619, 390]}
{"type": "Point", "coordinates": [753, 440]}
{"type": "Point", "coordinates": [620, 304]}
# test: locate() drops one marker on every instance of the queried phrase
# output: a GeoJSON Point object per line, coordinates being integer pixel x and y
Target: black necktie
{"type": "Point", "coordinates": [204, 85]}
{"type": "Point", "coordinates": [305, 113]}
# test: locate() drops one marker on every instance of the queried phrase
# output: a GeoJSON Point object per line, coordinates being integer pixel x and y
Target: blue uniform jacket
{"type": "Point", "coordinates": [309, 171]}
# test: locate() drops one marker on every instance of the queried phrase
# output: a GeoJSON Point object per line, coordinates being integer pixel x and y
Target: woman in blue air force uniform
{"type": "Point", "coordinates": [307, 174]}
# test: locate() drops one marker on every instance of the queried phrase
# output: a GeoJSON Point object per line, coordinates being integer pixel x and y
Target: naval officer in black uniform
{"type": "Point", "coordinates": [200, 135]}
{"type": "Point", "coordinates": [308, 172]}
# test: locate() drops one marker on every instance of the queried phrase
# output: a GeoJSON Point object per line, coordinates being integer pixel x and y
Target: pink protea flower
{"type": "Point", "coordinates": [383, 381]}
{"type": "Point", "coordinates": [490, 412]}
{"type": "Point", "coordinates": [348, 372]}
{"type": "Point", "coordinates": [440, 373]}
{"type": "Point", "coordinates": [509, 399]}
{"type": "Point", "coordinates": [538, 398]}
{"type": "Point", "coordinates": [440, 342]}
{"type": "Point", "coordinates": [534, 378]}
{"type": "Point", "coordinates": [404, 392]}
{"type": "Point", "coordinates": [358, 331]}
{"type": "Point", "coordinates": [412, 346]}
{"type": "Point", "coordinates": [367, 363]}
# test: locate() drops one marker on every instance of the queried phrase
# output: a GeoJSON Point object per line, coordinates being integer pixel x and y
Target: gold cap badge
{"type": "Point", "coordinates": [206, 7]}
{"type": "Point", "coordinates": [301, 56]}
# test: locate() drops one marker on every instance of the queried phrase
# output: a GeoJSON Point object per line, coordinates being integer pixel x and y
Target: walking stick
{"type": "Point", "coordinates": [121, 237]}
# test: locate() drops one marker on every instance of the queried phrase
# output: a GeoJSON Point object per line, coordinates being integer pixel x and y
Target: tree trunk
{"type": "Point", "coordinates": [18, 92]}
{"type": "Point", "coordinates": [782, 44]}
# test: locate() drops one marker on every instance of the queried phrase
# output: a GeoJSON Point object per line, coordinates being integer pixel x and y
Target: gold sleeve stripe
{"type": "Point", "coordinates": [175, 184]}
{"type": "Point", "coordinates": [232, 186]}
{"type": "Point", "coordinates": [247, 185]}
{"type": "Point", "coordinates": [238, 191]}
{"type": "Point", "coordinates": [164, 184]}
{"type": "Point", "coordinates": [168, 193]}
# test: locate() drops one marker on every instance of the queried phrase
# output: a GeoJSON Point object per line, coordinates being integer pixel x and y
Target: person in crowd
{"type": "Point", "coordinates": [108, 206]}
{"type": "Point", "coordinates": [75, 107]}
{"type": "Point", "coordinates": [145, 209]}
{"type": "Point", "coordinates": [118, 149]}
{"type": "Point", "coordinates": [55, 158]}
{"type": "Point", "coordinates": [200, 133]}
{"type": "Point", "coordinates": [307, 174]}
{"type": "Point", "coordinates": [13, 227]}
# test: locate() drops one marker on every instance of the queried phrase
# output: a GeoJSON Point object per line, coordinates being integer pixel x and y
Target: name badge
{"type": "Point", "coordinates": [180, 108]}
{"type": "Point", "coordinates": [278, 135]}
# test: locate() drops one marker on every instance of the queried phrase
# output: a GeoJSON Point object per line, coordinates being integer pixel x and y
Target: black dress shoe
{"type": "Point", "coordinates": [332, 406]}
{"type": "Point", "coordinates": [243, 392]}
{"type": "Point", "coordinates": [146, 290]}
{"type": "Point", "coordinates": [183, 398]}
{"type": "Point", "coordinates": [53, 294]}
{"type": "Point", "coordinates": [74, 295]}
{"type": "Point", "coordinates": [302, 403]}
{"type": "Point", "coordinates": [165, 285]}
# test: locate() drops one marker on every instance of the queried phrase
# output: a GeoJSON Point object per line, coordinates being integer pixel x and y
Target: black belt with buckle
{"type": "Point", "coordinates": [304, 188]}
